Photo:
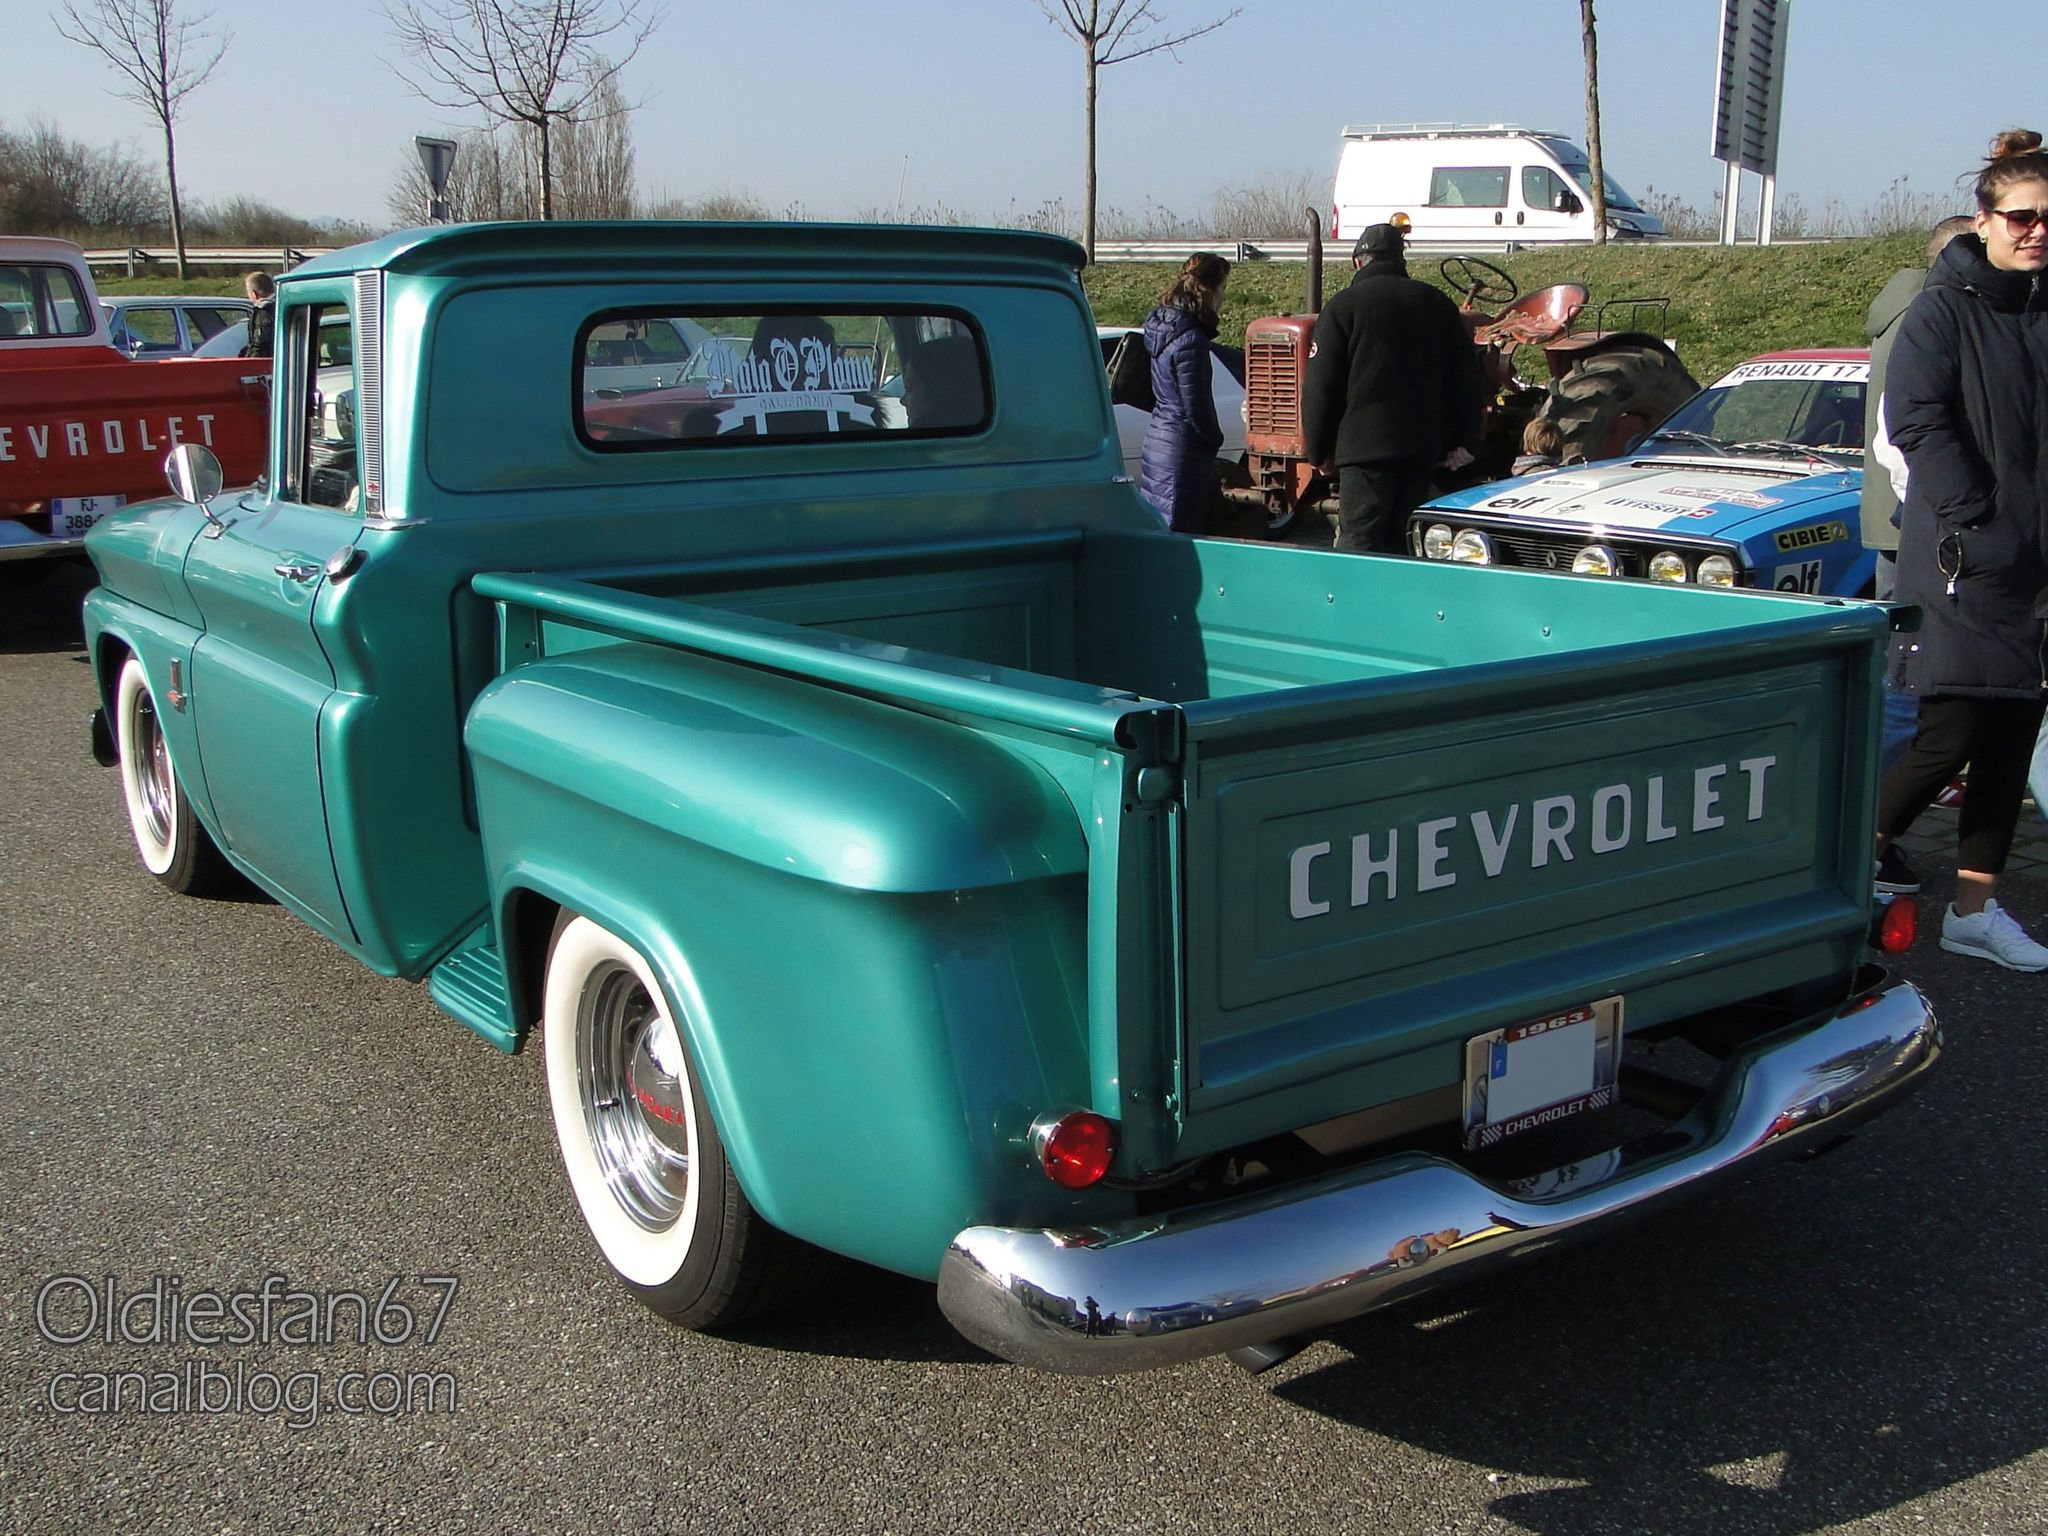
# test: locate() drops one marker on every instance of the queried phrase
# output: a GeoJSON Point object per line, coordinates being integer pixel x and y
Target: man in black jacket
{"type": "Point", "coordinates": [262, 291]}
{"type": "Point", "coordinates": [1393, 390]}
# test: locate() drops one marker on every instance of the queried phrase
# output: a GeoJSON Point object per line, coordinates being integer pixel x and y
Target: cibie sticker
{"type": "Point", "coordinates": [1803, 577]}
{"type": "Point", "coordinates": [1806, 538]}
{"type": "Point", "coordinates": [1804, 368]}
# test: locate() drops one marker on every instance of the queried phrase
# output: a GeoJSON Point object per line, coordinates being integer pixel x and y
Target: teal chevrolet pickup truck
{"type": "Point", "coordinates": [734, 657]}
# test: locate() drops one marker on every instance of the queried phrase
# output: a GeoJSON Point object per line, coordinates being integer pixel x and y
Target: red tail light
{"type": "Point", "coordinates": [1075, 1150]}
{"type": "Point", "coordinates": [1899, 926]}
{"type": "Point", "coordinates": [1333, 221]}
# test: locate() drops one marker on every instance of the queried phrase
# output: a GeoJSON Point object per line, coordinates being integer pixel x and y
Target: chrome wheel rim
{"type": "Point", "coordinates": [636, 1100]}
{"type": "Point", "coordinates": [153, 778]}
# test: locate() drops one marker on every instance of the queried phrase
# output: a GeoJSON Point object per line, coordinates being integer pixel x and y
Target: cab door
{"type": "Point", "coordinates": [260, 677]}
{"type": "Point", "coordinates": [1549, 207]}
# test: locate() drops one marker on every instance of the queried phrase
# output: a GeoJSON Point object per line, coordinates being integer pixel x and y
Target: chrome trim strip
{"type": "Point", "coordinates": [370, 387]}
{"type": "Point", "coordinates": [1158, 1291]}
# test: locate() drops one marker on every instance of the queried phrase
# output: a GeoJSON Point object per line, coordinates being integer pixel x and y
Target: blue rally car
{"type": "Point", "coordinates": [1754, 482]}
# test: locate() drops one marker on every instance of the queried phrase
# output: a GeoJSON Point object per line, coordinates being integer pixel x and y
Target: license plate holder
{"type": "Point", "coordinates": [1541, 1071]}
{"type": "Point", "coordinates": [70, 516]}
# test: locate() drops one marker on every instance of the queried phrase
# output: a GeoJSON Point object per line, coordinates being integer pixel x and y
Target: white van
{"type": "Point", "coordinates": [1475, 181]}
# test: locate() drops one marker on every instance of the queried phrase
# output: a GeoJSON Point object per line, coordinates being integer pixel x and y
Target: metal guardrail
{"type": "Point", "coordinates": [140, 260]}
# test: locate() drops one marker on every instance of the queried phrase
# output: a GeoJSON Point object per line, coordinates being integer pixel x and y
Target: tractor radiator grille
{"type": "Point", "coordinates": [1272, 388]}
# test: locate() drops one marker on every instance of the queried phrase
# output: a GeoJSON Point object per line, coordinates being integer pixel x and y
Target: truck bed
{"type": "Point", "coordinates": [1393, 804]}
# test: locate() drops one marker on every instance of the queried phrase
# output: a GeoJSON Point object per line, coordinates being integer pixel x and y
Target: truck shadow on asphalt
{"type": "Point", "coordinates": [1820, 1343]}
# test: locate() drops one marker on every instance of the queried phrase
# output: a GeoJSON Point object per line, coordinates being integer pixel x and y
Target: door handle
{"type": "Point", "coordinates": [299, 570]}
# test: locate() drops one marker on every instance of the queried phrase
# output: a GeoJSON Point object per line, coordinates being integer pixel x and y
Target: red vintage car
{"type": "Point", "coordinates": [83, 428]}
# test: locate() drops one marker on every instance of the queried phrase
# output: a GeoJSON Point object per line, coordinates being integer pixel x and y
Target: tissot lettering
{"type": "Point", "coordinates": [1433, 853]}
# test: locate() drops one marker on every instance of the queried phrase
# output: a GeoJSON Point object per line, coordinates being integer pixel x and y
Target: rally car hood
{"type": "Point", "coordinates": [1704, 497]}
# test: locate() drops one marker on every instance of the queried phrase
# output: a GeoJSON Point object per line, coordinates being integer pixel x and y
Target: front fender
{"type": "Point", "coordinates": [116, 627]}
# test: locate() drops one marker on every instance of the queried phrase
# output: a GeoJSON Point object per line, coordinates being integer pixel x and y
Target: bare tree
{"type": "Point", "coordinates": [533, 63]}
{"type": "Point", "coordinates": [161, 60]}
{"type": "Point", "coordinates": [595, 159]}
{"type": "Point", "coordinates": [1113, 32]}
{"type": "Point", "coordinates": [1594, 169]}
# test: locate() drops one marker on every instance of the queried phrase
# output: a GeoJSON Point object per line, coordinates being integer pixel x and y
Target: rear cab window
{"type": "Point", "coordinates": [716, 378]}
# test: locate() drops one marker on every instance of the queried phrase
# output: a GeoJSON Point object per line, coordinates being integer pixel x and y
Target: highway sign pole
{"type": "Point", "coordinates": [1748, 98]}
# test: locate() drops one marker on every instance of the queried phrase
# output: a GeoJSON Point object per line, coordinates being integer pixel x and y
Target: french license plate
{"type": "Point", "coordinates": [70, 516]}
{"type": "Point", "coordinates": [1542, 1071]}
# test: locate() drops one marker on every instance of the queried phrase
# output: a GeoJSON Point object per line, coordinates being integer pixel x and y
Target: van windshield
{"type": "Point", "coordinates": [1574, 161]}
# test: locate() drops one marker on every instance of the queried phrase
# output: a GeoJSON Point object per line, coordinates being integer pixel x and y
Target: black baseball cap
{"type": "Point", "coordinates": [1380, 240]}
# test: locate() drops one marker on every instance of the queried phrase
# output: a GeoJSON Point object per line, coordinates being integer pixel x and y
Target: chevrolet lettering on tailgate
{"type": "Point", "coordinates": [1528, 835]}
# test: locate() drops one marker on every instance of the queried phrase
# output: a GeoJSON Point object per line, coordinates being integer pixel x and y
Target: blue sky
{"type": "Point", "coordinates": [831, 104]}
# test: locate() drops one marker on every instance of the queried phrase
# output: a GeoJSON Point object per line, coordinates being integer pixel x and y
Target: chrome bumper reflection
{"type": "Point", "coordinates": [18, 541]}
{"type": "Point", "coordinates": [1162, 1290]}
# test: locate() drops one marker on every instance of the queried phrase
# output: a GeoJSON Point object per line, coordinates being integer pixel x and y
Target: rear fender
{"type": "Point", "coordinates": [871, 925]}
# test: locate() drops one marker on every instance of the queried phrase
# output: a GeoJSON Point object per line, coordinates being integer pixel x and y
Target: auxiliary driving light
{"type": "Point", "coordinates": [1716, 571]}
{"type": "Point", "coordinates": [1436, 541]}
{"type": "Point", "coordinates": [1596, 560]}
{"type": "Point", "coordinates": [1471, 547]}
{"type": "Point", "coordinates": [1667, 565]}
{"type": "Point", "coordinates": [1076, 1149]}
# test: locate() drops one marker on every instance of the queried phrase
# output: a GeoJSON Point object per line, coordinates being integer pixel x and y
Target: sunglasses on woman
{"type": "Point", "coordinates": [2018, 221]}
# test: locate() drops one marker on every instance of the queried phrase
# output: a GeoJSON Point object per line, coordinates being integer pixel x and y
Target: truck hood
{"type": "Point", "coordinates": [1701, 497]}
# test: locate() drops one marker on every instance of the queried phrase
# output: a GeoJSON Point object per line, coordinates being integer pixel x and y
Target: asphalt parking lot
{"type": "Point", "coordinates": [207, 1094]}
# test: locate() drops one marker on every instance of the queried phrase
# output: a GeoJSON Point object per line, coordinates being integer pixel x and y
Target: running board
{"type": "Point", "coordinates": [470, 986]}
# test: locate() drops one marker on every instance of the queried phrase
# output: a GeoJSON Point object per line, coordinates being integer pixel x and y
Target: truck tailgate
{"type": "Point", "coordinates": [1373, 873]}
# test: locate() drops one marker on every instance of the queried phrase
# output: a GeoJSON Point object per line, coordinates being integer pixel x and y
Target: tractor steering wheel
{"type": "Point", "coordinates": [1480, 281]}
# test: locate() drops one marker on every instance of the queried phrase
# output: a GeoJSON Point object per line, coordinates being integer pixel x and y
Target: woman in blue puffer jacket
{"type": "Point", "coordinates": [1178, 468]}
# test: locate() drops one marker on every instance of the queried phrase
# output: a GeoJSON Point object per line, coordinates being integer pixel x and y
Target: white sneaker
{"type": "Point", "coordinates": [1994, 935]}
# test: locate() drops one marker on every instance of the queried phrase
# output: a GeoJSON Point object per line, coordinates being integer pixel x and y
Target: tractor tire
{"type": "Point", "coordinates": [1644, 380]}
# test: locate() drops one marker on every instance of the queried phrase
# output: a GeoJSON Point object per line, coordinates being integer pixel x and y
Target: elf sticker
{"type": "Point", "coordinates": [1803, 577]}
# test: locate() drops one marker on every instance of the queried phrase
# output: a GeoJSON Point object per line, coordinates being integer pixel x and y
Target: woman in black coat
{"type": "Point", "coordinates": [1178, 466]}
{"type": "Point", "coordinates": [1966, 401]}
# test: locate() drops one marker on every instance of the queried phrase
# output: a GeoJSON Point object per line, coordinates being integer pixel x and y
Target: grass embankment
{"type": "Point", "coordinates": [1727, 302]}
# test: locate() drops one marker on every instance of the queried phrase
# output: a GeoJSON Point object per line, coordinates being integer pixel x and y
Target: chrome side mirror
{"type": "Point", "coordinates": [195, 478]}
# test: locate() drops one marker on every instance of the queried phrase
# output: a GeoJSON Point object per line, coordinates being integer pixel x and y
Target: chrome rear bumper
{"type": "Point", "coordinates": [1161, 1290]}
